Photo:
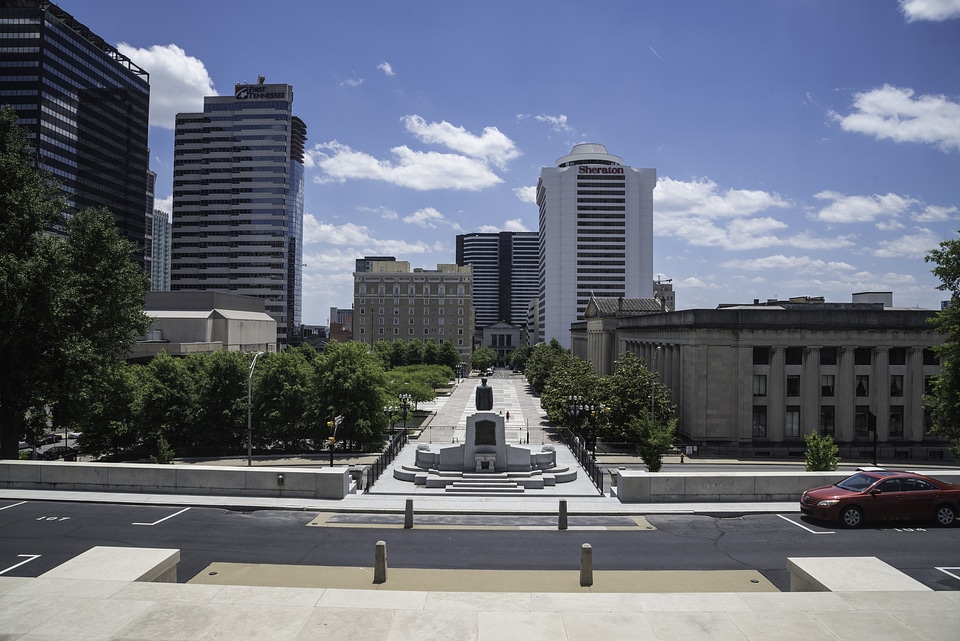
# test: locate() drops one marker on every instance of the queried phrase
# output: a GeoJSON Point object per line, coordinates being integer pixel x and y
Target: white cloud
{"type": "Point", "coordinates": [178, 82]}
{"type": "Point", "coordinates": [934, 10]}
{"type": "Point", "coordinates": [164, 204]}
{"type": "Point", "coordinates": [352, 82]}
{"type": "Point", "coordinates": [702, 198]}
{"type": "Point", "coordinates": [914, 245]}
{"type": "Point", "coordinates": [430, 218]}
{"type": "Point", "coordinates": [491, 146]}
{"type": "Point", "coordinates": [526, 194]}
{"type": "Point", "coordinates": [344, 243]}
{"type": "Point", "coordinates": [797, 264]}
{"type": "Point", "coordinates": [935, 214]}
{"type": "Point", "coordinates": [412, 169]}
{"type": "Point", "coordinates": [557, 123]}
{"type": "Point", "coordinates": [385, 212]}
{"type": "Point", "coordinates": [386, 68]}
{"type": "Point", "coordinates": [861, 209]}
{"type": "Point", "coordinates": [514, 224]}
{"type": "Point", "coordinates": [893, 113]}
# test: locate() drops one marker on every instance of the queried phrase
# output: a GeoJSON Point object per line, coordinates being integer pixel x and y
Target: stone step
{"type": "Point", "coordinates": [480, 489]}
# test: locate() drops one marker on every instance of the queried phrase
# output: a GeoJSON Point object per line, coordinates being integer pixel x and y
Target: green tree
{"type": "Point", "coordinates": [944, 397]}
{"type": "Point", "coordinates": [110, 427]}
{"type": "Point", "coordinates": [571, 376]}
{"type": "Point", "coordinates": [541, 362]}
{"type": "Point", "coordinates": [349, 383]}
{"type": "Point", "coordinates": [165, 405]}
{"type": "Point", "coordinates": [482, 358]}
{"type": "Point", "coordinates": [626, 393]}
{"type": "Point", "coordinates": [221, 399]}
{"type": "Point", "coordinates": [69, 305]}
{"type": "Point", "coordinates": [518, 358]}
{"type": "Point", "coordinates": [822, 453]}
{"type": "Point", "coordinates": [448, 355]}
{"type": "Point", "coordinates": [655, 438]}
{"type": "Point", "coordinates": [281, 401]}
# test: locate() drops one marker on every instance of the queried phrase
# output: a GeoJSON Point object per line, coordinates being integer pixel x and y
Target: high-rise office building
{"type": "Point", "coordinates": [238, 200]}
{"type": "Point", "coordinates": [160, 265]}
{"type": "Point", "coordinates": [596, 235]}
{"type": "Point", "coordinates": [85, 106]}
{"type": "Point", "coordinates": [505, 265]}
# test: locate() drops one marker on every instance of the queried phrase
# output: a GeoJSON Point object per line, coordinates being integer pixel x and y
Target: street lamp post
{"type": "Point", "coordinates": [390, 410]}
{"type": "Point", "coordinates": [249, 422]}
{"type": "Point", "coordinates": [404, 406]}
{"type": "Point", "coordinates": [576, 409]}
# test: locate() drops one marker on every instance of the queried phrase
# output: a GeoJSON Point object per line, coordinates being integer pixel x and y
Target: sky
{"type": "Point", "coordinates": [802, 148]}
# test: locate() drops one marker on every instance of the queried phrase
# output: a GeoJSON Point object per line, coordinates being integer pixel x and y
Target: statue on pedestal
{"type": "Point", "coordinates": [484, 396]}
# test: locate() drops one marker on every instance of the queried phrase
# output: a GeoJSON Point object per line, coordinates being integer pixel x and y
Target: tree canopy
{"type": "Point", "coordinates": [945, 394]}
{"type": "Point", "coordinates": [70, 302]}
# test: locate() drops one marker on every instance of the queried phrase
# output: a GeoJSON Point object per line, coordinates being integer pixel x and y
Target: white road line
{"type": "Point", "coordinates": [28, 557]}
{"type": "Point", "coordinates": [164, 518]}
{"type": "Point", "coordinates": [803, 526]}
{"type": "Point", "coordinates": [944, 570]}
{"type": "Point", "coordinates": [14, 505]}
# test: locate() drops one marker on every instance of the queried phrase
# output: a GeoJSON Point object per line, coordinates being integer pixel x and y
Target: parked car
{"type": "Point", "coordinates": [65, 452]}
{"type": "Point", "coordinates": [47, 439]}
{"type": "Point", "coordinates": [874, 494]}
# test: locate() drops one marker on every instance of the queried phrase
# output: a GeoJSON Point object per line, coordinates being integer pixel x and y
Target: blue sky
{"type": "Point", "coordinates": [802, 148]}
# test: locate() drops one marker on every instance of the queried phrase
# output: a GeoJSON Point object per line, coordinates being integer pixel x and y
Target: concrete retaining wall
{"type": "Point", "coordinates": [637, 486]}
{"type": "Point", "coordinates": [313, 483]}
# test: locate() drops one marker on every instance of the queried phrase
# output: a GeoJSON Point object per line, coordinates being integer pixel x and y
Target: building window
{"type": "Point", "coordinates": [793, 385]}
{"type": "Point", "coordinates": [863, 385]}
{"type": "Point", "coordinates": [828, 356]}
{"type": "Point", "coordinates": [381, 331]}
{"type": "Point", "coordinates": [828, 420]}
{"type": "Point", "coordinates": [759, 421]}
{"type": "Point", "coordinates": [363, 290]}
{"type": "Point", "coordinates": [761, 355]}
{"type": "Point", "coordinates": [826, 384]}
{"type": "Point", "coordinates": [396, 330]}
{"type": "Point", "coordinates": [930, 357]}
{"type": "Point", "coordinates": [791, 425]}
{"type": "Point", "coordinates": [896, 385]}
{"type": "Point", "coordinates": [361, 329]}
{"type": "Point", "coordinates": [897, 356]}
{"type": "Point", "coordinates": [380, 320]}
{"type": "Point", "coordinates": [759, 385]}
{"type": "Point", "coordinates": [862, 356]}
{"type": "Point", "coordinates": [794, 356]}
{"type": "Point", "coordinates": [362, 311]}
{"type": "Point", "coordinates": [460, 332]}
{"type": "Point", "coordinates": [426, 330]}
{"type": "Point", "coordinates": [896, 421]}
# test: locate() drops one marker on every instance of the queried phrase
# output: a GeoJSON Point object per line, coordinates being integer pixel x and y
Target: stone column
{"type": "Point", "coordinates": [913, 384]}
{"type": "Point", "coordinates": [845, 395]}
{"type": "Point", "coordinates": [880, 392]}
{"type": "Point", "coordinates": [776, 394]}
{"type": "Point", "coordinates": [810, 391]}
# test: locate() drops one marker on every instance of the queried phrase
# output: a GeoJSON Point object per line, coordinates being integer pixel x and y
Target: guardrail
{"type": "Point", "coordinates": [383, 461]}
{"type": "Point", "coordinates": [584, 457]}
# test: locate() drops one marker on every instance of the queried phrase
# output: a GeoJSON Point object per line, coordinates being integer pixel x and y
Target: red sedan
{"type": "Point", "coordinates": [882, 495]}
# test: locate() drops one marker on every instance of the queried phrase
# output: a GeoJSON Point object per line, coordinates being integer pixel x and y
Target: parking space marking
{"type": "Point", "coordinates": [28, 557]}
{"type": "Point", "coordinates": [804, 527]}
{"type": "Point", "coordinates": [164, 518]}
{"type": "Point", "coordinates": [946, 570]}
{"type": "Point", "coordinates": [14, 505]}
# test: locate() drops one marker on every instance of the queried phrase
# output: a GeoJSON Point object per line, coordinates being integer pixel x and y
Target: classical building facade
{"type": "Point", "coordinates": [755, 379]}
{"type": "Point", "coordinates": [391, 301]}
{"type": "Point", "coordinates": [238, 201]}
{"type": "Point", "coordinates": [85, 106]}
{"type": "Point", "coordinates": [596, 235]}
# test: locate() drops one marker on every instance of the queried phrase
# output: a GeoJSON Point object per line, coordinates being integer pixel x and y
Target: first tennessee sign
{"type": "Point", "coordinates": [587, 169]}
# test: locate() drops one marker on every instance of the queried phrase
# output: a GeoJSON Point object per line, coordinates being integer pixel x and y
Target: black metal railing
{"type": "Point", "coordinates": [383, 461]}
{"type": "Point", "coordinates": [584, 456]}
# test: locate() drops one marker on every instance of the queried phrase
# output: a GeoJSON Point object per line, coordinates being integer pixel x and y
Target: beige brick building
{"type": "Point", "coordinates": [391, 301]}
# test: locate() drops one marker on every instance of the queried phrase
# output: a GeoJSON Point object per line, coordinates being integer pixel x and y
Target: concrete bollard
{"type": "Point", "coordinates": [562, 516]}
{"type": "Point", "coordinates": [586, 565]}
{"type": "Point", "coordinates": [380, 563]}
{"type": "Point", "coordinates": [408, 515]}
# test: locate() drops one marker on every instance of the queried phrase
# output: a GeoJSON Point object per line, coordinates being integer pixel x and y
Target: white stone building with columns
{"type": "Point", "coordinates": [755, 379]}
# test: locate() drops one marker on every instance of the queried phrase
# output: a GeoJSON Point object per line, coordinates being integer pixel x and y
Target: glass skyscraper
{"type": "Point", "coordinates": [85, 105]}
{"type": "Point", "coordinates": [238, 201]}
{"type": "Point", "coordinates": [505, 271]}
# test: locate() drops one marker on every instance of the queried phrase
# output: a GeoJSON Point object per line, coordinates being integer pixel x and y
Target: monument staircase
{"type": "Point", "coordinates": [455, 481]}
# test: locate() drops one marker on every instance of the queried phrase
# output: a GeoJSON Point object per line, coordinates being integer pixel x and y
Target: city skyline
{"type": "Point", "coordinates": [801, 149]}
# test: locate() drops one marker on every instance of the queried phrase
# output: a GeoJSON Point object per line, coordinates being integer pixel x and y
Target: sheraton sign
{"type": "Point", "coordinates": [586, 169]}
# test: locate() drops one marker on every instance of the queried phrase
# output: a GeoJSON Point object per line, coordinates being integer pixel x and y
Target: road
{"type": "Point", "coordinates": [36, 536]}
